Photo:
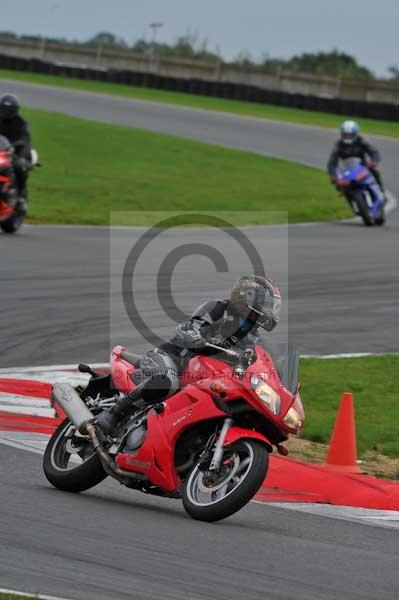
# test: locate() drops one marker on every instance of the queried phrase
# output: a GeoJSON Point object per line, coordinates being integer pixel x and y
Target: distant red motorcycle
{"type": "Point", "coordinates": [208, 444]}
{"type": "Point", "coordinates": [12, 206]}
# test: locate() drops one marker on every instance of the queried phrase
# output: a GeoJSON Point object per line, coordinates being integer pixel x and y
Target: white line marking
{"type": "Point", "coordinates": [369, 516]}
{"type": "Point", "coordinates": [20, 399]}
{"type": "Point", "coordinates": [390, 206]}
{"type": "Point", "coordinates": [73, 367]}
{"type": "Point", "coordinates": [29, 595]}
{"type": "Point", "coordinates": [11, 402]}
{"type": "Point", "coordinates": [20, 404]}
{"type": "Point", "coordinates": [349, 355]}
{"type": "Point", "coordinates": [31, 442]}
{"type": "Point", "coordinates": [41, 373]}
{"type": "Point", "coordinates": [31, 412]}
{"type": "Point", "coordinates": [392, 203]}
{"type": "Point", "coordinates": [383, 517]}
{"type": "Point", "coordinates": [37, 409]}
{"type": "Point", "coordinates": [36, 443]}
{"type": "Point", "coordinates": [48, 377]}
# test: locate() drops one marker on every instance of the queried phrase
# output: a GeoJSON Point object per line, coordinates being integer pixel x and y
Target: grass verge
{"type": "Point", "coordinates": [15, 597]}
{"type": "Point", "coordinates": [373, 381]}
{"type": "Point", "coordinates": [263, 111]}
{"type": "Point", "coordinates": [92, 168]}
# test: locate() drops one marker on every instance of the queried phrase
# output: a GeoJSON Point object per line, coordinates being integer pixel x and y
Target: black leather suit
{"type": "Point", "coordinates": [359, 148]}
{"type": "Point", "coordinates": [16, 130]}
{"type": "Point", "coordinates": [216, 321]}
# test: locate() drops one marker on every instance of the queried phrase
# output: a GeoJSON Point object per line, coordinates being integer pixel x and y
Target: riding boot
{"type": "Point", "coordinates": [150, 391]}
{"type": "Point", "coordinates": [109, 419]}
{"type": "Point", "coordinates": [23, 205]}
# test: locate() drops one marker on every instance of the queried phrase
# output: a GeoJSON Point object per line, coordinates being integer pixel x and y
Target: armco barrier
{"type": "Point", "coordinates": [217, 89]}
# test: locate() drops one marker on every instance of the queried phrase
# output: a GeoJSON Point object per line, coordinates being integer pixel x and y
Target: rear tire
{"type": "Point", "coordinates": [364, 210]}
{"type": "Point", "coordinates": [83, 476]}
{"type": "Point", "coordinates": [246, 461]}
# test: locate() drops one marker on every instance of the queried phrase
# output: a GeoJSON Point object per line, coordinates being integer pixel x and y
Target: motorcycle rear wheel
{"type": "Point", "coordinates": [70, 463]}
{"type": "Point", "coordinates": [211, 498]}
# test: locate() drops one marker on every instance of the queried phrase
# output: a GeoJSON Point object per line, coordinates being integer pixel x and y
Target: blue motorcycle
{"type": "Point", "coordinates": [360, 188]}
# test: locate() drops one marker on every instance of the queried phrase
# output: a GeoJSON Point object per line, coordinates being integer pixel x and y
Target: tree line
{"type": "Point", "coordinates": [190, 46]}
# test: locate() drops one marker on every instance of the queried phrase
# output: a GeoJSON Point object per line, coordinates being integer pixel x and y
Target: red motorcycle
{"type": "Point", "coordinates": [12, 206]}
{"type": "Point", "coordinates": [208, 444]}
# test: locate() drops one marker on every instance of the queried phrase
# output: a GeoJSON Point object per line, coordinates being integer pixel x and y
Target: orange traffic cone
{"type": "Point", "coordinates": [342, 454]}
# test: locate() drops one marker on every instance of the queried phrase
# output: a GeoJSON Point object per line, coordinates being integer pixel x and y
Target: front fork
{"type": "Point", "coordinates": [218, 452]}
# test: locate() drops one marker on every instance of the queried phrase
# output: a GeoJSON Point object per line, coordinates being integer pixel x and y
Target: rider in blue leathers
{"type": "Point", "coordinates": [352, 144]}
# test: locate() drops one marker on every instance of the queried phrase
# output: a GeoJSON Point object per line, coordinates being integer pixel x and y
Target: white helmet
{"type": "Point", "coordinates": [349, 131]}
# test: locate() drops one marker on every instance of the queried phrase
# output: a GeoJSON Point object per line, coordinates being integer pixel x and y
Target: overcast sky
{"type": "Point", "coordinates": [368, 29]}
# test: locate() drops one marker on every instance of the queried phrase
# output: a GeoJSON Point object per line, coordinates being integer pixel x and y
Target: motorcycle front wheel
{"type": "Point", "coordinates": [12, 224]}
{"type": "Point", "coordinates": [380, 220]}
{"type": "Point", "coordinates": [364, 209]}
{"type": "Point", "coordinates": [70, 463]}
{"type": "Point", "coordinates": [214, 496]}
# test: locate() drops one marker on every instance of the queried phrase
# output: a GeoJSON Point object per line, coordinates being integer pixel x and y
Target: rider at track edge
{"type": "Point", "coordinates": [351, 144]}
{"type": "Point", "coordinates": [234, 322]}
{"type": "Point", "coordinates": [16, 130]}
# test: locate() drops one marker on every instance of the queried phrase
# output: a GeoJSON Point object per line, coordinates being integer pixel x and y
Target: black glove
{"type": "Point", "coordinates": [188, 336]}
{"type": "Point", "coordinates": [219, 342]}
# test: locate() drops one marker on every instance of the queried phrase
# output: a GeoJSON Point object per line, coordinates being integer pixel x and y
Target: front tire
{"type": "Point", "coordinates": [70, 463]}
{"type": "Point", "coordinates": [380, 220]}
{"type": "Point", "coordinates": [364, 210]}
{"type": "Point", "coordinates": [211, 498]}
{"type": "Point", "coordinates": [12, 224]}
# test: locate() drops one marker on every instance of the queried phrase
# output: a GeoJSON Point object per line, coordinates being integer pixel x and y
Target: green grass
{"type": "Point", "coordinates": [92, 168]}
{"type": "Point", "coordinates": [263, 111]}
{"type": "Point", "coordinates": [373, 381]}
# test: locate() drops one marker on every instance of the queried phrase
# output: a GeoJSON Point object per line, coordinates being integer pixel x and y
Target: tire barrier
{"type": "Point", "coordinates": [214, 89]}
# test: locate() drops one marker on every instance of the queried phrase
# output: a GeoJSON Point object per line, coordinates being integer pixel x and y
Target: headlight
{"type": "Point", "coordinates": [292, 419]}
{"type": "Point", "coordinates": [268, 395]}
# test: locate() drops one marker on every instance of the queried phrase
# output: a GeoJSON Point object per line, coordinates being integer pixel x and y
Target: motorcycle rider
{"type": "Point", "coordinates": [254, 302]}
{"type": "Point", "coordinates": [16, 130]}
{"type": "Point", "coordinates": [352, 144]}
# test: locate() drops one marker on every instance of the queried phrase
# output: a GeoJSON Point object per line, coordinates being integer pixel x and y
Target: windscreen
{"type": "Point", "coordinates": [286, 361]}
{"type": "Point", "coordinates": [351, 163]}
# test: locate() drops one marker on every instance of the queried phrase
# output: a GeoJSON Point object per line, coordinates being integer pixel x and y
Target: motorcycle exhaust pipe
{"type": "Point", "coordinates": [77, 411]}
{"type": "Point", "coordinates": [109, 464]}
{"type": "Point", "coordinates": [73, 406]}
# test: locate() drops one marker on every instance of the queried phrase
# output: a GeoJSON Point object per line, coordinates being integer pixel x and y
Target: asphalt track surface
{"type": "Point", "coordinates": [298, 143]}
{"type": "Point", "coordinates": [343, 278]}
{"type": "Point", "coordinates": [113, 543]}
{"type": "Point", "coordinates": [55, 298]}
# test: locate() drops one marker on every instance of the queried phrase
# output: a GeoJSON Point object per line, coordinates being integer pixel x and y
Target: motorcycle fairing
{"type": "Point", "coordinates": [195, 403]}
{"type": "Point", "coordinates": [5, 210]}
{"type": "Point", "coordinates": [239, 433]}
{"type": "Point", "coordinates": [362, 176]}
{"type": "Point", "coordinates": [152, 459]}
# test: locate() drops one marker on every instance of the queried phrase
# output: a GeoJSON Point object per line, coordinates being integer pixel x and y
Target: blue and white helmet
{"type": "Point", "coordinates": [349, 131]}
